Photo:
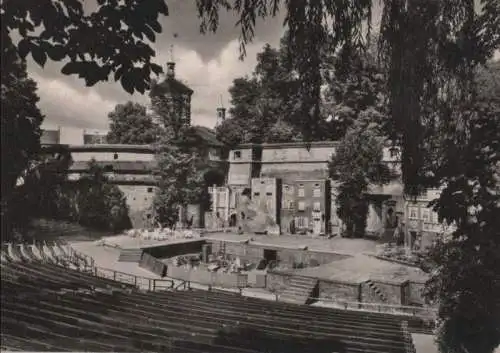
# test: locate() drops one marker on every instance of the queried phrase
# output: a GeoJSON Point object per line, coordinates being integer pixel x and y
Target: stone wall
{"type": "Point", "coordinates": [415, 293]}
{"type": "Point", "coordinates": [139, 200]}
{"type": "Point", "coordinates": [394, 292]}
{"type": "Point", "coordinates": [225, 280]}
{"type": "Point", "coordinates": [255, 252]}
{"type": "Point", "coordinates": [339, 291]}
{"type": "Point", "coordinates": [277, 282]}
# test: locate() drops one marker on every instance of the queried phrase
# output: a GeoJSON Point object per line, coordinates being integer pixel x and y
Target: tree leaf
{"type": "Point", "coordinates": [56, 52]}
{"type": "Point", "coordinates": [38, 55]}
{"type": "Point", "coordinates": [24, 47]}
{"type": "Point", "coordinates": [71, 68]}
{"type": "Point", "coordinates": [127, 83]}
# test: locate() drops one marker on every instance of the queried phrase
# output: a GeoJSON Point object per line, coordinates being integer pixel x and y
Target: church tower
{"type": "Point", "coordinates": [221, 113]}
{"type": "Point", "coordinates": [176, 94]}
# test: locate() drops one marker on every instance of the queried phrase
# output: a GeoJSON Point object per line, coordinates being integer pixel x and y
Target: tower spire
{"type": "Point", "coordinates": [221, 112]}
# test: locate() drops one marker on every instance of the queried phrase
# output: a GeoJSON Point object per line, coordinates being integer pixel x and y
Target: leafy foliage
{"type": "Point", "coordinates": [180, 170]}
{"type": "Point", "coordinates": [354, 90]}
{"type": "Point", "coordinates": [97, 203]}
{"type": "Point", "coordinates": [112, 39]}
{"type": "Point", "coordinates": [131, 125]}
{"type": "Point", "coordinates": [468, 261]}
{"type": "Point", "coordinates": [261, 101]}
{"type": "Point", "coordinates": [356, 164]}
{"type": "Point", "coordinates": [180, 163]}
{"type": "Point", "coordinates": [20, 125]}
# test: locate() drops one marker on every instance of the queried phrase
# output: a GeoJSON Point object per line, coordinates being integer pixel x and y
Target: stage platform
{"type": "Point", "coordinates": [336, 245]}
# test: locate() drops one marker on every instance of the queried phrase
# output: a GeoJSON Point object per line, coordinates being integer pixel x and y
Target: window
{"type": "Point", "coordinates": [301, 222]}
{"type": "Point", "coordinates": [290, 204]}
{"type": "Point", "coordinates": [237, 154]}
{"type": "Point", "coordinates": [412, 212]}
{"type": "Point", "coordinates": [301, 190]}
{"type": "Point", "coordinates": [301, 206]}
{"type": "Point", "coordinates": [425, 215]}
{"type": "Point", "coordinates": [317, 206]}
{"type": "Point", "coordinates": [150, 189]}
{"type": "Point", "coordinates": [317, 191]}
{"type": "Point", "coordinates": [115, 156]}
{"type": "Point", "coordinates": [256, 194]}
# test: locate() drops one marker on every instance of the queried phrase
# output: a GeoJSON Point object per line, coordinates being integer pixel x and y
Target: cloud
{"type": "Point", "coordinates": [207, 63]}
{"type": "Point", "coordinates": [66, 101]}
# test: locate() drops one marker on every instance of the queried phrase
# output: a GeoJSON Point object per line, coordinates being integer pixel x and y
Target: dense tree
{"type": "Point", "coordinates": [356, 164]}
{"type": "Point", "coordinates": [180, 163]}
{"type": "Point", "coordinates": [470, 165]}
{"type": "Point", "coordinates": [261, 101]}
{"type": "Point", "coordinates": [132, 125]}
{"type": "Point", "coordinates": [99, 204]}
{"type": "Point", "coordinates": [20, 125]}
{"type": "Point", "coordinates": [352, 91]}
{"type": "Point", "coordinates": [110, 40]}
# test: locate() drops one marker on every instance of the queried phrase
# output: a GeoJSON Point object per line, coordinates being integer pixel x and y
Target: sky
{"type": "Point", "coordinates": [206, 63]}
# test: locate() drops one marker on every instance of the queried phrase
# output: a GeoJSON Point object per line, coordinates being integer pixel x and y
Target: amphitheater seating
{"type": "Point", "coordinates": [48, 307]}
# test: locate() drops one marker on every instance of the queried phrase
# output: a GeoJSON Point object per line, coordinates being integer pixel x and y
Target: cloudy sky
{"type": "Point", "coordinates": [207, 63]}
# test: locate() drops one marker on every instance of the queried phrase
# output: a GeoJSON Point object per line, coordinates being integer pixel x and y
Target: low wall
{"type": "Point", "coordinates": [152, 264]}
{"type": "Point", "coordinates": [171, 250]}
{"type": "Point", "coordinates": [286, 256]}
{"type": "Point", "coordinates": [415, 293]}
{"type": "Point", "coordinates": [339, 291]}
{"type": "Point", "coordinates": [393, 291]}
{"type": "Point", "coordinates": [277, 281]}
{"type": "Point", "coordinates": [216, 279]}
{"type": "Point", "coordinates": [396, 292]}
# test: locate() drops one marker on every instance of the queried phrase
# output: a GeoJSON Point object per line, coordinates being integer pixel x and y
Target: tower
{"type": "Point", "coordinates": [221, 113]}
{"type": "Point", "coordinates": [176, 94]}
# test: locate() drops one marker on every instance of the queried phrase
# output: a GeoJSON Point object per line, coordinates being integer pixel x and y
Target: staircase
{"type": "Point", "coordinates": [299, 290]}
{"type": "Point", "coordinates": [130, 255]}
{"type": "Point", "coordinates": [377, 291]}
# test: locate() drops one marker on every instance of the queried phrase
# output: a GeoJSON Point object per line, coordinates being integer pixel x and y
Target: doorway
{"type": "Point", "coordinates": [270, 255]}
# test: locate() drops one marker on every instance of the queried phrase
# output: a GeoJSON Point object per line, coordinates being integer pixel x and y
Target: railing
{"type": "Point", "coordinates": [152, 284]}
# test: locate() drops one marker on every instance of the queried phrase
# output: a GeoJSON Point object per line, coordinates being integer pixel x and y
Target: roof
{"type": "Point", "coordinates": [170, 84]}
{"type": "Point", "coordinates": [208, 136]}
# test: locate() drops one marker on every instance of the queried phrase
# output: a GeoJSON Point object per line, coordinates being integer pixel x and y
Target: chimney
{"type": "Point", "coordinates": [221, 115]}
{"type": "Point", "coordinates": [171, 69]}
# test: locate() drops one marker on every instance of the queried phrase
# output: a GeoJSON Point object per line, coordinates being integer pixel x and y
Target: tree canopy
{"type": "Point", "coordinates": [110, 41]}
{"type": "Point", "coordinates": [264, 103]}
{"type": "Point", "coordinates": [20, 123]}
{"type": "Point", "coordinates": [131, 124]}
